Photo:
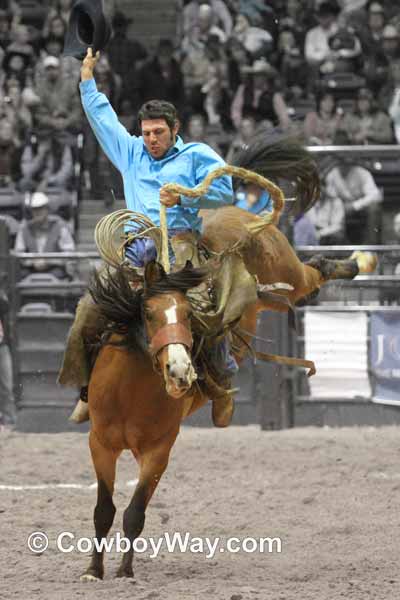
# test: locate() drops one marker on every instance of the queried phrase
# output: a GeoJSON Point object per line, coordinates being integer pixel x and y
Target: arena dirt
{"type": "Point", "coordinates": [332, 496]}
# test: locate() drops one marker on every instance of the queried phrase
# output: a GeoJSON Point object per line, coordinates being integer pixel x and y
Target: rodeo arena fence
{"type": "Point", "coordinates": [351, 332]}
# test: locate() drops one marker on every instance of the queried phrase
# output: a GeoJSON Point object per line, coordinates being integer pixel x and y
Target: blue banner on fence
{"type": "Point", "coordinates": [385, 355]}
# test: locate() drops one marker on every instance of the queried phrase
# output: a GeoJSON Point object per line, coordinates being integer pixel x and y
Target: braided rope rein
{"type": "Point", "coordinates": [277, 196]}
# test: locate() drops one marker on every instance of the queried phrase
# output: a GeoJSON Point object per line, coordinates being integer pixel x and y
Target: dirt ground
{"type": "Point", "coordinates": [332, 496]}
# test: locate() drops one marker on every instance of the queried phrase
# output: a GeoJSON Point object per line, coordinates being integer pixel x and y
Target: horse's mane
{"type": "Point", "coordinates": [121, 304]}
{"type": "Point", "coordinates": [283, 157]}
{"type": "Point", "coordinates": [180, 281]}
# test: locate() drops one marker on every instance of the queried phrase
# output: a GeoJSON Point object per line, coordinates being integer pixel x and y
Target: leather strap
{"type": "Point", "coordinates": [174, 333]}
{"type": "Point", "coordinates": [286, 360]}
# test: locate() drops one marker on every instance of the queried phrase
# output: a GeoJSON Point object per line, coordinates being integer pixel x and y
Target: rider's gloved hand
{"type": "Point", "coordinates": [169, 198]}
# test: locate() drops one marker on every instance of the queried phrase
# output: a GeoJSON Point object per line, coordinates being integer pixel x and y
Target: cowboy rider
{"type": "Point", "coordinates": [146, 163]}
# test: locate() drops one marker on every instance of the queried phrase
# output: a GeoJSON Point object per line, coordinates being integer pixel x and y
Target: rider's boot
{"type": "Point", "coordinates": [80, 414]}
{"type": "Point", "coordinates": [222, 411]}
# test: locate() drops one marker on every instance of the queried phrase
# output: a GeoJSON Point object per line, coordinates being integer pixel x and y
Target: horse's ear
{"type": "Point", "coordinates": [153, 273]}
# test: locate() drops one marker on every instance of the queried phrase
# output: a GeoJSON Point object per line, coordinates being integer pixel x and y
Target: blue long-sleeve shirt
{"type": "Point", "coordinates": [143, 175]}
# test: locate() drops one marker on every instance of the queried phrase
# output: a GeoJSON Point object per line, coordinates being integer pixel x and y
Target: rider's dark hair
{"type": "Point", "coordinates": [158, 109]}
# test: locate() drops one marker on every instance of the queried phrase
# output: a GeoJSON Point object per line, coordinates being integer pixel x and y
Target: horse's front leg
{"type": "Point", "coordinates": [104, 461]}
{"type": "Point", "coordinates": [153, 461]}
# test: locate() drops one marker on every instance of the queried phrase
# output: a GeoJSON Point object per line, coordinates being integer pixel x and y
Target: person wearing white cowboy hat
{"type": "Point", "coordinates": [259, 97]}
{"type": "Point", "coordinates": [43, 233]}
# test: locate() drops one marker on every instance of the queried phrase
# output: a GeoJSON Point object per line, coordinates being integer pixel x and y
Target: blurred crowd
{"type": "Point", "coordinates": [328, 71]}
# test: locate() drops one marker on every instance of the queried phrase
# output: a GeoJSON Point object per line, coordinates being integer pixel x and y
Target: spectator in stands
{"type": "Point", "coordinates": [59, 108]}
{"type": "Point", "coordinates": [328, 217]}
{"type": "Point", "coordinates": [12, 225]}
{"type": "Point", "coordinates": [258, 42]}
{"type": "Point", "coordinates": [368, 124]}
{"type": "Point", "coordinates": [375, 68]}
{"type": "Point", "coordinates": [16, 64]}
{"type": "Point", "coordinates": [5, 36]}
{"type": "Point", "coordinates": [304, 232]}
{"type": "Point", "coordinates": [47, 162]}
{"type": "Point", "coordinates": [356, 188]}
{"type": "Point", "coordinates": [43, 233]}
{"type": "Point", "coordinates": [390, 97]}
{"type": "Point", "coordinates": [205, 72]}
{"type": "Point", "coordinates": [346, 52]}
{"type": "Point", "coordinates": [237, 58]}
{"type": "Point", "coordinates": [56, 27]}
{"type": "Point", "coordinates": [8, 412]}
{"type": "Point", "coordinates": [204, 28]}
{"type": "Point", "coordinates": [299, 17]}
{"type": "Point", "coordinates": [10, 155]}
{"type": "Point", "coordinates": [316, 47]}
{"type": "Point", "coordinates": [61, 10]}
{"type": "Point", "coordinates": [51, 46]}
{"type": "Point", "coordinates": [15, 105]}
{"type": "Point", "coordinates": [198, 130]}
{"type": "Point", "coordinates": [125, 55]}
{"type": "Point", "coordinates": [214, 95]}
{"type": "Point", "coordinates": [161, 77]}
{"type": "Point", "coordinates": [221, 16]}
{"type": "Point", "coordinates": [320, 126]}
{"type": "Point", "coordinates": [260, 98]}
{"type": "Point", "coordinates": [391, 43]}
{"type": "Point", "coordinates": [372, 36]}
{"type": "Point", "coordinates": [292, 66]}
{"type": "Point", "coordinates": [244, 136]}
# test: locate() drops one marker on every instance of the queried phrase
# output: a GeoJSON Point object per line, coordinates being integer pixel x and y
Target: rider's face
{"type": "Point", "coordinates": [158, 137]}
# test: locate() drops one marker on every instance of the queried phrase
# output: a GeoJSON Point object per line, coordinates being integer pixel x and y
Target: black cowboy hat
{"type": "Point", "coordinates": [88, 27]}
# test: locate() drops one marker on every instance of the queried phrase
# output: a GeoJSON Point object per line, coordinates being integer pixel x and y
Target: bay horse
{"type": "Point", "coordinates": [139, 393]}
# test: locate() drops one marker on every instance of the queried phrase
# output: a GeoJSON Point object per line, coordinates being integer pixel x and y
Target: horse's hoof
{"type": "Point", "coordinates": [80, 414]}
{"type": "Point", "coordinates": [366, 261]}
{"type": "Point", "coordinates": [87, 577]}
{"type": "Point", "coordinates": [124, 573]}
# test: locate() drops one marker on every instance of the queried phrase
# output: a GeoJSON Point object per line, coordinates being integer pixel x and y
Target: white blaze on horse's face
{"type": "Point", "coordinates": [179, 373]}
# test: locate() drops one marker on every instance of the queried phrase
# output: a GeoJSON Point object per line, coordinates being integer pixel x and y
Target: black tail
{"type": "Point", "coordinates": [283, 158]}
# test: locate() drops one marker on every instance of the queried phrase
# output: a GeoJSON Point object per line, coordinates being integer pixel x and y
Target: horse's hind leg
{"type": "Point", "coordinates": [104, 461]}
{"type": "Point", "coordinates": [153, 463]}
{"type": "Point", "coordinates": [318, 270]}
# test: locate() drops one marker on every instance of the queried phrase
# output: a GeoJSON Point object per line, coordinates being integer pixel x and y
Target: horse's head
{"type": "Point", "coordinates": [167, 317]}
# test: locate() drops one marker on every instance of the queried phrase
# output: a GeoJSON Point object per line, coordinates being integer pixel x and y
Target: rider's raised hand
{"type": "Point", "coordinates": [88, 65]}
